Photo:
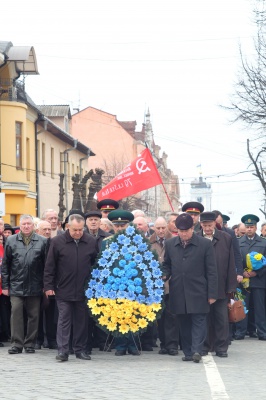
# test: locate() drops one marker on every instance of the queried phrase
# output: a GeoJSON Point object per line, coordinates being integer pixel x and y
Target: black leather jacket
{"type": "Point", "coordinates": [22, 267]}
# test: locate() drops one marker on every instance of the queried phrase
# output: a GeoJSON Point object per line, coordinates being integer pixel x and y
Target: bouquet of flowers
{"type": "Point", "coordinates": [254, 262]}
{"type": "Point", "coordinates": [126, 289]}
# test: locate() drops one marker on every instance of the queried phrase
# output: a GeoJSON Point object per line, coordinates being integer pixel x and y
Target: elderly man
{"type": "Point", "coordinates": [67, 268]}
{"type": "Point", "coordinates": [189, 261]}
{"type": "Point", "coordinates": [218, 335]}
{"type": "Point", "coordinates": [22, 279]}
{"type": "Point", "coordinates": [51, 216]}
{"type": "Point", "coordinates": [106, 225]}
{"type": "Point", "coordinates": [142, 225]}
{"type": "Point", "coordinates": [93, 222]}
{"type": "Point", "coordinates": [263, 230]}
{"type": "Point", "coordinates": [170, 219]}
{"type": "Point", "coordinates": [168, 323]}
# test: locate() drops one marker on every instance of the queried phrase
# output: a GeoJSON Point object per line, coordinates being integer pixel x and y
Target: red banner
{"type": "Point", "coordinates": [139, 175]}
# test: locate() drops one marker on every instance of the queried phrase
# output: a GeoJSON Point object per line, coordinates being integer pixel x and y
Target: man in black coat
{"type": "Point", "coordinates": [68, 266]}
{"type": "Point", "coordinates": [218, 332]}
{"type": "Point", "coordinates": [190, 264]}
{"type": "Point", "coordinates": [257, 279]}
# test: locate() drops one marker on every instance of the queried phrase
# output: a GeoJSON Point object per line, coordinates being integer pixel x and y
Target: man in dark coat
{"type": "Point", "coordinates": [218, 332]}
{"type": "Point", "coordinates": [194, 208]}
{"type": "Point", "coordinates": [22, 280]}
{"type": "Point", "coordinates": [190, 264]}
{"type": "Point", "coordinates": [67, 267]}
{"type": "Point", "coordinates": [257, 279]}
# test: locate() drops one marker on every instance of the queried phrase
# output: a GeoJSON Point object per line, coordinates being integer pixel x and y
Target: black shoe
{"type": "Point", "coordinates": [253, 335]}
{"type": "Point", "coordinates": [262, 338]}
{"type": "Point", "coordinates": [1, 344]}
{"type": "Point", "coordinates": [187, 358]}
{"type": "Point", "coordinates": [29, 350]}
{"type": "Point", "coordinates": [37, 346]}
{"type": "Point", "coordinates": [204, 353]}
{"type": "Point", "coordinates": [53, 347]}
{"type": "Point", "coordinates": [239, 337]}
{"type": "Point", "coordinates": [15, 350]}
{"type": "Point", "coordinates": [221, 354]}
{"type": "Point", "coordinates": [163, 351]}
{"type": "Point", "coordinates": [134, 352]}
{"type": "Point", "coordinates": [147, 348]}
{"type": "Point", "coordinates": [196, 357]}
{"type": "Point", "coordinates": [83, 356]}
{"type": "Point", "coordinates": [62, 357]}
{"type": "Point", "coordinates": [120, 353]}
{"type": "Point", "coordinates": [172, 352]}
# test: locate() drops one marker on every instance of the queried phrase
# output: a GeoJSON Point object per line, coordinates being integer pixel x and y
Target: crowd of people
{"type": "Point", "coordinates": [46, 264]}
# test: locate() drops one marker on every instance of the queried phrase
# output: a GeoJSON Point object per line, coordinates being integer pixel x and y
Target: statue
{"type": "Point", "coordinates": [94, 187]}
{"type": "Point", "coordinates": [61, 206]}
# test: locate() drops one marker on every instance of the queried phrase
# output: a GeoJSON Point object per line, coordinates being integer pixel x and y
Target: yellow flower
{"type": "Point", "coordinates": [143, 308]}
{"type": "Point", "coordinates": [101, 301]}
{"type": "Point", "coordinates": [151, 316]}
{"type": "Point", "coordinates": [134, 319]}
{"type": "Point", "coordinates": [120, 314]}
{"type": "Point", "coordinates": [134, 327]}
{"type": "Point", "coordinates": [258, 256]}
{"type": "Point", "coordinates": [92, 303]}
{"type": "Point", "coordinates": [96, 310]}
{"type": "Point", "coordinates": [143, 314]}
{"type": "Point", "coordinates": [103, 320]}
{"type": "Point", "coordinates": [124, 328]}
{"type": "Point", "coordinates": [142, 323]}
{"type": "Point", "coordinates": [111, 326]}
{"type": "Point", "coordinates": [156, 306]}
{"type": "Point", "coordinates": [114, 319]}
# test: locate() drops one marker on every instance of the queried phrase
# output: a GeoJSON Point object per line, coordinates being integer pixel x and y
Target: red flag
{"type": "Point", "coordinates": [139, 175]}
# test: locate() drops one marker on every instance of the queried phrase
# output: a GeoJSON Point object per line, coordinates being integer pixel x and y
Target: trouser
{"type": "Point", "coordinates": [218, 327]}
{"type": "Point", "coordinates": [97, 337]}
{"type": "Point", "coordinates": [126, 342]}
{"type": "Point", "coordinates": [73, 313]}
{"type": "Point", "coordinates": [193, 331]}
{"type": "Point", "coordinates": [168, 328]}
{"type": "Point", "coordinates": [31, 304]}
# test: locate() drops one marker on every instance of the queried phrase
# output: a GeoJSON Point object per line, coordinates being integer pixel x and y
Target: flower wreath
{"type": "Point", "coordinates": [126, 289]}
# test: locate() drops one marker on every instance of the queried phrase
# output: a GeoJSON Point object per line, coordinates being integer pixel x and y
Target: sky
{"type": "Point", "coordinates": [177, 59]}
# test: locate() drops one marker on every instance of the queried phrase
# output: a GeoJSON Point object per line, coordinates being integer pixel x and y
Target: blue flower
{"type": "Point", "coordinates": [107, 286]}
{"type": "Point", "coordinates": [112, 294]}
{"type": "Point", "coordinates": [128, 256]}
{"type": "Point", "coordinates": [142, 266]}
{"type": "Point", "coordinates": [92, 284]}
{"type": "Point", "coordinates": [137, 281]}
{"type": "Point", "coordinates": [105, 294]}
{"type": "Point", "coordinates": [121, 294]}
{"type": "Point", "coordinates": [96, 273]}
{"type": "Point", "coordinates": [149, 283]}
{"type": "Point", "coordinates": [130, 230]}
{"type": "Point", "coordinates": [134, 272]}
{"type": "Point", "coordinates": [154, 264]}
{"type": "Point", "coordinates": [122, 286]}
{"type": "Point", "coordinates": [124, 250]}
{"type": "Point", "coordinates": [124, 279]}
{"type": "Point", "coordinates": [127, 242]}
{"type": "Point", "coordinates": [131, 288]}
{"type": "Point", "coordinates": [156, 273]}
{"type": "Point", "coordinates": [110, 279]}
{"type": "Point", "coordinates": [138, 258]}
{"type": "Point", "coordinates": [121, 272]}
{"type": "Point", "coordinates": [146, 273]}
{"type": "Point", "coordinates": [105, 273]}
{"type": "Point", "coordinates": [122, 263]}
{"type": "Point", "coordinates": [116, 271]}
{"type": "Point", "coordinates": [115, 286]}
{"type": "Point", "coordinates": [148, 255]}
{"type": "Point", "coordinates": [128, 273]}
{"type": "Point", "coordinates": [159, 292]}
{"type": "Point", "coordinates": [132, 249]}
{"type": "Point", "coordinates": [115, 256]}
{"type": "Point", "coordinates": [138, 289]}
{"type": "Point", "coordinates": [117, 281]}
{"type": "Point", "coordinates": [131, 296]}
{"type": "Point", "coordinates": [132, 264]}
{"type": "Point", "coordinates": [121, 239]}
{"type": "Point", "coordinates": [114, 246]}
{"type": "Point", "coordinates": [89, 293]}
{"type": "Point", "coordinates": [140, 298]}
{"type": "Point", "coordinates": [99, 287]}
{"type": "Point", "coordinates": [102, 262]}
{"type": "Point", "coordinates": [150, 300]}
{"type": "Point", "coordinates": [106, 253]}
{"type": "Point", "coordinates": [159, 283]}
{"type": "Point", "coordinates": [137, 239]}
{"type": "Point", "coordinates": [142, 247]}
{"type": "Point", "coordinates": [157, 298]}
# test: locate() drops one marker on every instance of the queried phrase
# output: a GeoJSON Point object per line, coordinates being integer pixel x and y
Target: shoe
{"type": "Point", "coordinates": [15, 350]}
{"type": "Point", "coordinates": [187, 358]}
{"type": "Point", "coordinates": [262, 338]}
{"type": "Point", "coordinates": [45, 346]}
{"type": "Point", "coordinates": [253, 335]}
{"type": "Point", "coordinates": [120, 353]}
{"type": "Point", "coordinates": [1, 344]}
{"type": "Point", "coordinates": [172, 352]}
{"type": "Point", "coordinates": [134, 352]}
{"type": "Point", "coordinates": [204, 353]}
{"type": "Point", "coordinates": [62, 357]}
{"type": "Point", "coordinates": [147, 348]}
{"type": "Point", "coordinates": [29, 350]}
{"type": "Point", "coordinates": [37, 346]}
{"type": "Point", "coordinates": [239, 337]}
{"type": "Point", "coordinates": [83, 356]}
{"type": "Point", "coordinates": [221, 354]}
{"type": "Point", "coordinates": [163, 351]}
{"type": "Point", "coordinates": [71, 351]}
{"type": "Point", "coordinates": [53, 347]}
{"type": "Point", "coordinates": [196, 357]}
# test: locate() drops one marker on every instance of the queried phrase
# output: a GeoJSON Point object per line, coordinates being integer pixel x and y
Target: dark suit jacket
{"type": "Point", "coordinates": [237, 255]}
{"type": "Point", "coordinates": [193, 273]}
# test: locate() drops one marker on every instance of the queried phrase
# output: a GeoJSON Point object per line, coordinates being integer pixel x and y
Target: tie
{"type": "Point", "coordinates": [161, 240]}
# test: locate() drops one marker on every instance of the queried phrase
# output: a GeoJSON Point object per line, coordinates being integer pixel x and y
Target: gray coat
{"type": "Point", "coordinates": [193, 273]}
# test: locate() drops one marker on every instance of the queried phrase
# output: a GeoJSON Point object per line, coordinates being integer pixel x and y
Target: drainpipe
{"type": "Point", "coordinates": [65, 170]}
{"type": "Point", "coordinates": [40, 118]}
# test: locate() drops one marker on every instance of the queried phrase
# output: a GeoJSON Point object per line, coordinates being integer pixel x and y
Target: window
{"type": "Point", "coordinates": [43, 158]}
{"type": "Point", "coordinates": [18, 144]}
{"type": "Point", "coordinates": [52, 162]}
{"type": "Point", "coordinates": [28, 159]}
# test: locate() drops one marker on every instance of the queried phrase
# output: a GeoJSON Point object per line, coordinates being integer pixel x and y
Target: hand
{"type": "Point", "coordinates": [239, 278]}
{"type": "Point", "coordinates": [5, 292]}
{"type": "Point", "coordinates": [246, 274]}
{"type": "Point", "coordinates": [252, 274]}
{"type": "Point", "coordinates": [211, 301]}
{"type": "Point", "coordinates": [49, 293]}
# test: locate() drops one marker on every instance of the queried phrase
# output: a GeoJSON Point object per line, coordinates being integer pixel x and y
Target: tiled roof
{"type": "Point", "coordinates": [56, 111]}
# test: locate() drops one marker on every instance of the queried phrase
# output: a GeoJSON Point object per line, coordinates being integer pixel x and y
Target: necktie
{"type": "Point", "coordinates": [161, 242]}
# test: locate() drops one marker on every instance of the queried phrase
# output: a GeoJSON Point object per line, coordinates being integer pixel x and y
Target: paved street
{"type": "Point", "coordinates": [151, 376]}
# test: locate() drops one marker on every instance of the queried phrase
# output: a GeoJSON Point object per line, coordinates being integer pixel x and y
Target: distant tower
{"type": "Point", "coordinates": [201, 191]}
